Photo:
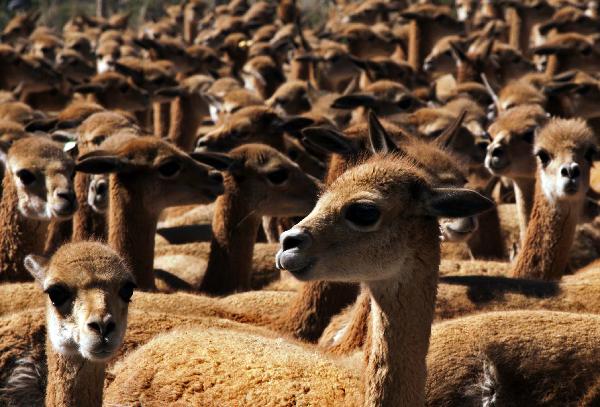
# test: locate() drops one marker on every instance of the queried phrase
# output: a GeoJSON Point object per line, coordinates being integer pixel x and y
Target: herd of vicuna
{"type": "Point", "coordinates": [397, 207]}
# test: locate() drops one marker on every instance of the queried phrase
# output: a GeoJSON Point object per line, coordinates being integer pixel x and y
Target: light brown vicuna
{"type": "Point", "coordinates": [510, 154]}
{"type": "Point", "coordinates": [89, 288]}
{"type": "Point", "coordinates": [147, 175]}
{"type": "Point", "coordinates": [37, 190]}
{"type": "Point", "coordinates": [404, 199]}
{"type": "Point", "coordinates": [565, 150]}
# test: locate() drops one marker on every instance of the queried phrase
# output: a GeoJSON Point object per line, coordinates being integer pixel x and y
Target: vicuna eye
{"type": "Point", "coordinates": [362, 215]}
{"type": "Point", "coordinates": [169, 169]}
{"type": "Point", "coordinates": [405, 103]}
{"type": "Point", "coordinates": [98, 140]}
{"type": "Point", "coordinates": [26, 177]}
{"type": "Point", "coordinates": [124, 88]}
{"type": "Point", "coordinates": [544, 157]}
{"type": "Point", "coordinates": [277, 177]}
{"type": "Point", "coordinates": [58, 295]}
{"type": "Point", "coordinates": [127, 291]}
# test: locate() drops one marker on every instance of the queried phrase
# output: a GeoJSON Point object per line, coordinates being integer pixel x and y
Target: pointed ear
{"type": "Point", "coordinates": [174, 91]}
{"type": "Point", "coordinates": [458, 54]}
{"type": "Point", "coordinates": [445, 139]}
{"type": "Point", "coordinates": [457, 202]}
{"type": "Point", "coordinates": [380, 140]}
{"type": "Point", "coordinates": [487, 50]}
{"type": "Point", "coordinates": [100, 162]}
{"type": "Point", "coordinates": [45, 125]}
{"type": "Point", "coordinates": [329, 140]}
{"type": "Point", "coordinates": [354, 101]}
{"type": "Point", "coordinates": [555, 88]}
{"type": "Point", "coordinates": [37, 267]}
{"type": "Point", "coordinates": [218, 161]}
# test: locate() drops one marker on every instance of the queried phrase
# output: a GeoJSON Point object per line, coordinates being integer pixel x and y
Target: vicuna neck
{"type": "Point", "coordinates": [414, 46]}
{"type": "Point", "coordinates": [73, 380]}
{"type": "Point", "coordinates": [132, 227]}
{"type": "Point", "coordinates": [234, 232]}
{"type": "Point", "coordinates": [549, 237]}
{"type": "Point", "coordinates": [401, 317]}
{"type": "Point", "coordinates": [160, 116]}
{"type": "Point", "coordinates": [186, 116]}
{"type": "Point", "coordinates": [20, 236]}
{"type": "Point", "coordinates": [524, 194]}
{"type": "Point", "coordinates": [518, 37]}
{"type": "Point", "coordinates": [87, 224]}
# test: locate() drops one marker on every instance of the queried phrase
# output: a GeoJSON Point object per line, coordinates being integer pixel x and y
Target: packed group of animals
{"type": "Point", "coordinates": [231, 206]}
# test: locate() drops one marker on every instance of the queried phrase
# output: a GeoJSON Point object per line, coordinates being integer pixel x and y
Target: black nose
{"type": "Point", "coordinates": [100, 187]}
{"type": "Point", "coordinates": [295, 239]}
{"type": "Point", "coordinates": [102, 328]}
{"type": "Point", "coordinates": [216, 177]}
{"type": "Point", "coordinates": [570, 170]}
{"type": "Point", "coordinates": [67, 195]}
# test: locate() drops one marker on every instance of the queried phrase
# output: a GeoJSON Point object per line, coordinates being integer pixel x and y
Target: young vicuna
{"type": "Point", "coordinates": [382, 217]}
{"type": "Point", "coordinates": [89, 288]}
{"type": "Point", "coordinates": [566, 150]}
{"type": "Point", "coordinates": [38, 190]}
{"type": "Point", "coordinates": [147, 176]}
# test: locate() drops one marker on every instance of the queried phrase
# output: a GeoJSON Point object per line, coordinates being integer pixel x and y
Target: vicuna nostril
{"type": "Point", "coordinates": [109, 328]}
{"type": "Point", "coordinates": [571, 171]}
{"type": "Point", "coordinates": [68, 196]}
{"type": "Point", "coordinates": [294, 239]}
{"type": "Point", "coordinates": [498, 152]}
{"type": "Point", "coordinates": [215, 176]}
{"type": "Point", "coordinates": [95, 326]}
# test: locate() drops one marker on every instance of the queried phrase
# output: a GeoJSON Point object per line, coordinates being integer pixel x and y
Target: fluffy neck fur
{"type": "Point", "coordinates": [73, 381]}
{"type": "Point", "coordinates": [87, 224]}
{"type": "Point", "coordinates": [524, 193]}
{"type": "Point", "coordinates": [550, 234]}
{"type": "Point", "coordinates": [414, 51]}
{"type": "Point", "coordinates": [20, 236]}
{"type": "Point", "coordinates": [401, 317]}
{"type": "Point", "coordinates": [132, 227]}
{"type": "Point", "coordinates": [234, 232]}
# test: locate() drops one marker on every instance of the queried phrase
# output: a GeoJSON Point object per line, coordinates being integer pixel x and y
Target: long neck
{"type": "Point", "coordinates": [401, 317]}
{"type": "Point", "coordinates": [19, 237]}
{"type": "Point", "coordinates": [550, 234]}
{"type": "Point", "coordinates": [524, 193]}
{"type": "Point", "coordinates": [356, 331]}
{"type": "Point", "coordinates": [73, 381]}
{"type": "Point", "coordinates": [414, 44]}
{"type": "Point", "coordinates": [234, 232]}
{"type": "Point", "coordinates": [132, 228]}
{"type": "Point", "coordinates": [160, 117]}
{"type": "Point", "coordinates": [87, 224]}
{"type": "Point", "coordinates": [186, 115]}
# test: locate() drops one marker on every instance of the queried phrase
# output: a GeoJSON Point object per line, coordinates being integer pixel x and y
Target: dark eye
{"type": "Point", "coordinates": [544, 157]}
{"type": "Point", "coordinates": [58, 294]}
{"type": "Point", "coordinates": [362, 214]}
{"type": "Point", "coordinates": [127, 291]}
{"type": "Point", "coordinates": [586, 51]}
{"type": "Point", "coordinates": [435, 134]}
{"type": "Point", "coordinates": [98, 140]}
{"type": "Point", "coordinates": [584, 89]}
{"type": "Point", "coordinates": [278, 176]}
{"type": "Point", "coordinates": [169, 169]}
{"type": "Point", "coordinates": [26, 177]}
{"type": "Point", "coordinates": [405, 103]}
{"type": "Point", "coordinates": [528, 136]}
{"type": "Point", "coordinates": [124, 88]}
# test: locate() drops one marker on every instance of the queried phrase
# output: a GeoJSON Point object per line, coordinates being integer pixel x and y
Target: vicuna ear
{"type": "Point", "coordinates": [445, 139]}
{"type": "Point", "coordinates": [380, 140]}
{"type": "Point", "coordinates": [100, 162]}
{"type": "Point", "coordinates": [555, 88]}
{"type": "Point", "coordinates": [173, 91]}
{"type": "Point", "coordinates": [44, 125]}
{"type": "Point", "coordinates": [458, 54]}
{"type": "Point", "coordinates": [457, 202]}
{"type": "Point", "coordinates": [218, 161]}
{"type": "Point", "coordinates": [328, 139]}
{"type": "Point", "coordinates": [37, 267]}
{"type": "Point", "coordinates": [354, 101]}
